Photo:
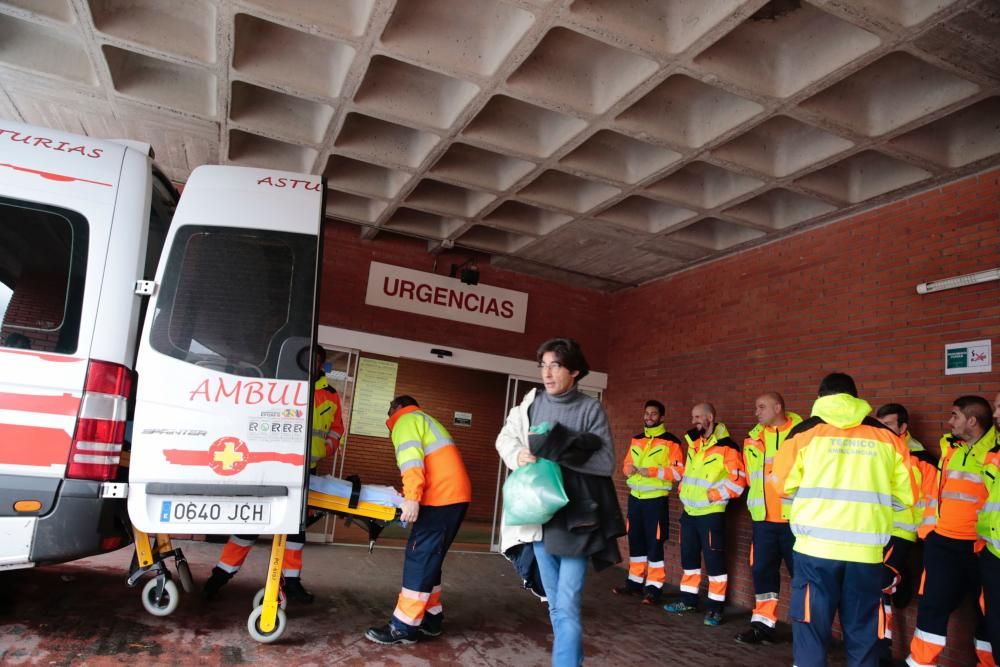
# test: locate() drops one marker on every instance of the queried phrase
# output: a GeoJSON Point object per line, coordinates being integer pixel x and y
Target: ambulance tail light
{"type": "Point", "coordinates": [100, 426]}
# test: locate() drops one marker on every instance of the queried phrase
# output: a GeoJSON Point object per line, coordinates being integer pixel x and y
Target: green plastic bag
{"type": "Point", "coordinates": [533, 493]}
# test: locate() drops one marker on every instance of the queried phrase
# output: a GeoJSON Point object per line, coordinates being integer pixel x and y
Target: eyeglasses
{"type": "Point", "coordinates": [555, 365]}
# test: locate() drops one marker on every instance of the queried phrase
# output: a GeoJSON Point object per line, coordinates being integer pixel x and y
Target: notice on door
{"type": "Point", "coordinates": [373, 392]}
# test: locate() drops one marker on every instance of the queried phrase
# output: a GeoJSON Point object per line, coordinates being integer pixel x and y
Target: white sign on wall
{"type": "Point", "coordinates": [448, 298]}
{"type": "Point", "coordinates": [973, 357]}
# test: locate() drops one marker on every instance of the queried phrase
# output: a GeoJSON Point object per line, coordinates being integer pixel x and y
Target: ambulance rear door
{"type": "Point", "coordinates": [220, 440]}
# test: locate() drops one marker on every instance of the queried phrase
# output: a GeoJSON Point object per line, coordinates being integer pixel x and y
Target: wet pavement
{"type": "Point", "coordinates": [83, 613]}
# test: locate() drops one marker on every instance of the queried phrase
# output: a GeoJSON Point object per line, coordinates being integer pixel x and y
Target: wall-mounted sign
{"type": "Point", "coordinates": [973, 357]}
{"type": "Point", "coordinates": [373, 392]}
{"type": "Point", "coordinates": [463, 419]}
{"type": "Point", "coordinates": [448, 298]}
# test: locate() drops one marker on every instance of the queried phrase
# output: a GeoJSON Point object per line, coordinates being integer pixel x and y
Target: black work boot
{"type": "Point", "coordinates": [432, 625]}
{"type": "Point", "coordinates": [295, 592]}
{"type": "Point", "coordinates": [215, 582]}
{"type": "Point", "coordinates": [389, 634]}
{"type": "Point", "coordinates": [757, 634]}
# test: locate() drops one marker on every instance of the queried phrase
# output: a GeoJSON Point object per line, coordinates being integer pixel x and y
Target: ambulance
{"type": "Point", "coordinates": [81, 220]}
{"type": "Point", "coordinates": [175, 341]}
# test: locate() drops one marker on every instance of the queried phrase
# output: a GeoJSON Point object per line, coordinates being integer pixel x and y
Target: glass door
{"type": "Point", "coordinates": [517, 388]}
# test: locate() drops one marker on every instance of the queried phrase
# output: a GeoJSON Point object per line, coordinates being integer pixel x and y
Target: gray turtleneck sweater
{"type": "Point", "coordinates": [579, 412]}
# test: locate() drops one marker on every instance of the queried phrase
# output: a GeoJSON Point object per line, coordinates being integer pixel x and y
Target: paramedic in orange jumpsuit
{"type": "Point", "coordinates": [436, 495]}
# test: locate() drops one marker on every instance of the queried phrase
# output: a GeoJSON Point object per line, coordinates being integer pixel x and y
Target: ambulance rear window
{"type": "Point", "coordinates": [43, 263]}
{"type": "Point", "coordinates": [237, 300]}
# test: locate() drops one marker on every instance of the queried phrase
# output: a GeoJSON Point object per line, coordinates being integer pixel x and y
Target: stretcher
{"type": "Point", "coordinates": [370, 505]}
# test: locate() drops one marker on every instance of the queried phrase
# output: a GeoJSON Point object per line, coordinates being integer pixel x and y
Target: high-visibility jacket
{"type": "Point", "coordinates": [327, 421]}
{"type": "Point", "coordinates": [659, 454]}
{"type": "Point", "coordinates": [713, 472]}
{"type": "Point", "coordinates": [959, 492]}
{"type": "Point", "coordinates": [846, 473]}
{"type": "Point", "coordinates": [923, 465]}
{"type": "Point", "coordinates": [428, 459]}
{"type": "Point", "coordinates": [988, 523]}
{"type": "Point", "coordinates": [764, 499]}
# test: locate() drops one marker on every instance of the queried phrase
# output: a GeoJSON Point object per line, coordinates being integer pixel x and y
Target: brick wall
{"type": "Point", "coordinates": [441, 391]}
{"type": "Point", "coordinates": [553, 309]}
{"type": "Point", "coordinates": [781, 316]}
{"type": "Point", "coordinates": [37, 303]}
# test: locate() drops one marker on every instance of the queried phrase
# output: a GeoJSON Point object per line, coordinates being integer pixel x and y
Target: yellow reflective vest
{"type": "Point", "coordinates": [713, 472]}
{"type": "Point", "coordinates": [988, 523]}
{"type": "Point", "coordinates": [923, 465]}
{"type": "Point", "coordinates": [846, 473]}
{"type": "Point", "coordinates": [327, 422]}
{"type": "Point", "coordinates": [658, 454]}
{"type": "Point", "coordinates": [764, 499]}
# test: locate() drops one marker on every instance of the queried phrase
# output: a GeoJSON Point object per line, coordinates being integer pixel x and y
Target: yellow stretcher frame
{"type": "Point", "coordinates": [341, 505]}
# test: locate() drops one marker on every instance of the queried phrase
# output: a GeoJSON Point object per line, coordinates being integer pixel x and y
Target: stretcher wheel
{"type": "Point", "coordinates": [184, 574]}
{"type": "Point", "coordinates": [253, 626]}
{"type": "Point", "coordinates": [258, 599]}
{"type": "Point", "coordinates": [168, 601]}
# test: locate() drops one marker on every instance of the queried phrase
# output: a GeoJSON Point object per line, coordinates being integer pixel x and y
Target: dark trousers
{"type": "Point", "coordinates": [704, 536]}
{"type": "Point", "coordinates": [772, 544]}
{"type": "Point", "coordinates": [894, 577]}
{"type": "Point", "coordinates": [989, 572]}
{"type": "Point", "coordinates": [951, 573]}
{"type": "Point", "coordinates": [648, 525]}
{"type": "Point", "coordinates": [822, 588]}
{"type": "Point", "coordinates": [430, 538]}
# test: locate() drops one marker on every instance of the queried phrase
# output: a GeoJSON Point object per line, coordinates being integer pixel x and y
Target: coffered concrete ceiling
{"type": "Point", "coordinates": [598, 142]}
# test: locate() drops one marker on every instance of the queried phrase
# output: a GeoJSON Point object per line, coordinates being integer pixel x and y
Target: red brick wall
{"type": "Point", "coordinates": [38, 302]}
{"type": "Point", "coordinates": [441, 391]}
{"type": "Point", "coordinates": [781, 316]}
{"type": "Point", "coordinates": [553, 309]}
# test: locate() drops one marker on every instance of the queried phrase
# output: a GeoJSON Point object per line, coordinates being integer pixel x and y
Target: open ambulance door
{"type": "Point", "coordinates": [221, 435]}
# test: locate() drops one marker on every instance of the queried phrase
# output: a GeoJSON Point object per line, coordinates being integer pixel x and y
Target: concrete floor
{"type": "Point", "coordinates": [84, 614]}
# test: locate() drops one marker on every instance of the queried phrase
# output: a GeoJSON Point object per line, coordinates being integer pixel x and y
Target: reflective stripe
{"type": "Point", "coordinates": [756, 476]}
{"type": "Point", "coordinates": [912, 662]}
{"type": "Point", "coordinates": [930, 637]}
{"type": "Point", "coordinates": [763, 597]}
{"type": "Point", "coordinates": [964, 474]}
{"type": "Point", "coordinates": [416, 463]}
{"type": "Point", "coordinates": [991, 507]}
{"type": "Point", "coordinates": [928, 520]}
{"type": "Point", "coordinates": [909, 527]}
{"type": "Point", "coordinates": [787, 501]}
{"type": "Point", "coordinates": [984, 646]}
{"type": "Point", "coordinates": [735, 488]}
{"type": "Point", "coordinates": [757, 618]}
{"type": "Point", "coordinates": [838, 535]}
{"type": "Point", "coordinates": [677, 475]}
{"type": "Point", "coordinates": [697, 504]}
{"type": "Point", "coordinates": [850, 495]}
{"type": "Point", "coordinates": [768, 459]}
{"type": "Point", "coordinates": [955, 495]}
{"type": "Point", "coordinates": [739, 473]}
{"type": "Point", "coordinates": [637, 559]}
{"type": "Point", "coordinates": [755, 502]}
{"type": "Point", "coordinates": [932, 502]}
{"type": "Point", "coordinates": [320, 433]}
{"type": "Point", "coordinates": [409, 444]}
{"type": "Point", "coordinates": [697, 481]}
{"type": "Point", "coordinates": [635, 486]}
{"type": "Point", "coordinates": [434, 446]}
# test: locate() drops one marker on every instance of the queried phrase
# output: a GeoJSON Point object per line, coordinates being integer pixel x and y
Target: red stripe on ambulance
{"type": "Point", "coordinates": [66, 404]}
{"type": "Point", "coordinates": [49, 446]}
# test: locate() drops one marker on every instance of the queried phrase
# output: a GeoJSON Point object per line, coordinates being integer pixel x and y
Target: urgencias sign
{"type": "Point", "coordinates": [448, 298]}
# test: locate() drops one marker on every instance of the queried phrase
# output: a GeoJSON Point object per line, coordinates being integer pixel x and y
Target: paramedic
{"type": "Point", "coordinates": [436, 495]}
{"type": "Point", "coordinates": [327, 431]}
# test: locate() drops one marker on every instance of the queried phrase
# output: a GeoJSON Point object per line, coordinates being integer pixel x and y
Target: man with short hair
{"type": "Point", "coordinates": [845, 472]}
{"type": "Point", "coordinates": [713, 475]}
{"type": "Point", "coordinates": [772, 537]}
{"type": "Point", "coordinates": [949, 529]}
{"type": "Point", "coordinates": [653, 463]}
{"type": "Point", "coordinates": [436, 495]}
{"type": "Point", "coordinates": [896, 584]}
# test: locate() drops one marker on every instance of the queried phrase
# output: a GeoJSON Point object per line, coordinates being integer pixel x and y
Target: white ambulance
{"type": "Point", "coordinates": [220, 442]}
{"type": "Point", "coordinates": [80, 221]}
{"type": "Point", "coordinates": [221, 393]}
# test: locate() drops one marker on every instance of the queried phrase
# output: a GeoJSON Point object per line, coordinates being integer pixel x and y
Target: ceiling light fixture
{"type": "Point", "coordinates": [959, 281]}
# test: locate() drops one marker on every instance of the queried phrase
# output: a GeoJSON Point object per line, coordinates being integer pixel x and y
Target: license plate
{"type": "Point", "coordinates": [214, 511]}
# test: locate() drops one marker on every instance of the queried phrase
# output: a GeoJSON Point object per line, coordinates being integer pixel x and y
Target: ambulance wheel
{"type": "Point", "coordinates": [184, 574]}
{"type": "Point", "coordinates": [253, 626]}
{"type": "Point", "coordinates": [258, 599]}
{"type": "Point", "coordinates": [168, 601]}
